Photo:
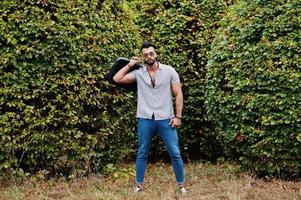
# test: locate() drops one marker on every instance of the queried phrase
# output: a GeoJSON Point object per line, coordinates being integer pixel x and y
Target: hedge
{"type": "Point", "coordinates": [57, 111]}
{"type": "Point", "coordinates": [253, 86]}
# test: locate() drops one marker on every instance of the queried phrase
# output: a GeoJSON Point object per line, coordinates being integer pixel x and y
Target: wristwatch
{"type": "Point", "coordinates": [178, 116]}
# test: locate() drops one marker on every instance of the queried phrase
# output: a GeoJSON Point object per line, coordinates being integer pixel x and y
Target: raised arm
{"type": "Point", "coordinates": [122, 76]}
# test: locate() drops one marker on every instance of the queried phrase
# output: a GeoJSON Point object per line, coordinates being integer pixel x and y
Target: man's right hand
{"type": "Point", "coordinates": [133, 61]}
{"type": "Point", "coordinates": [122, 76]}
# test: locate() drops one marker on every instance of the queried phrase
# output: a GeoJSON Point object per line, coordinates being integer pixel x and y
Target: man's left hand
{"type": "Point", "coordinates": [175, 122]}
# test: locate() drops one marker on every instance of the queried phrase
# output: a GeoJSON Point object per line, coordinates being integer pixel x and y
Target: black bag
{"type": "Point", "coordinates": [119, 64]}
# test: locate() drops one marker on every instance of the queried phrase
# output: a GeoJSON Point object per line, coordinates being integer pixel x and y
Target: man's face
{"type": "Point", "coordinates": [149, 55]}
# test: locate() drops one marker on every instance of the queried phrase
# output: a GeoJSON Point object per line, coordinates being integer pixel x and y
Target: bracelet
{"type": "Point", "coordinates": [178, 117]}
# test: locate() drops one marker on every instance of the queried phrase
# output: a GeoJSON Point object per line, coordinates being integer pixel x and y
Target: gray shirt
{"type": "Point", "coordinates": [157, 101]}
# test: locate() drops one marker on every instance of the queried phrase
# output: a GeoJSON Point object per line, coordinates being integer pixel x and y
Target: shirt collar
{"type": "Point", "coordinates": [145, 69]}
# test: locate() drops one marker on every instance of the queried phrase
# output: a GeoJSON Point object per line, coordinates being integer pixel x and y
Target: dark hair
{"type": "Point", "coordinates": [147, 45]}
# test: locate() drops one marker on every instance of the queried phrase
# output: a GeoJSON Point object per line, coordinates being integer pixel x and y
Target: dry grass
{"type": "Point", "coordinates": [204, 181]}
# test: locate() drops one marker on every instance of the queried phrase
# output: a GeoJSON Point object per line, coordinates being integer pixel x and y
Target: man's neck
{"type": "Point", "coordinates": [153, 67]}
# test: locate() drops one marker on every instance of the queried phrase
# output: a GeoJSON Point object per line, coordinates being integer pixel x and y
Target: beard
{"type": "Point", "coordinates": [150, 62]}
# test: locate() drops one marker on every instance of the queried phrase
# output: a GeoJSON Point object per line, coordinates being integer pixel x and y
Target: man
{"type": "Point", "coordinates": [156, 83]}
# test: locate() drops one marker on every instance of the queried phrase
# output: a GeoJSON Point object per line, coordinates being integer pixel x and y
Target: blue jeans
{"type": "Point", "coordinates": [147, 128]}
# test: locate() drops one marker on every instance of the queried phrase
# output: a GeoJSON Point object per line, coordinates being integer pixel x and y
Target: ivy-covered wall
{"type": "Point", "coordinates": [57, 111]}
{"type": "Point", "coordinates": [253, 86]}
{"type": "Point", "coordinates": [239, 63]}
